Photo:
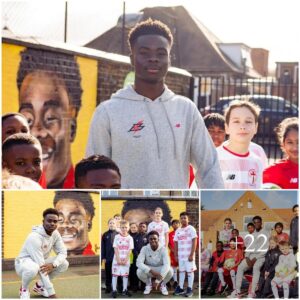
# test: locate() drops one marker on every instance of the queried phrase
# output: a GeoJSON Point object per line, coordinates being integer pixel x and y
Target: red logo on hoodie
{"type": "Point", "coordinates": [137, 127]}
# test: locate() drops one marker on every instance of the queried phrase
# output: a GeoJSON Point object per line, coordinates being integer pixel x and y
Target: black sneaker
{"type": "Point", "coordinates": [114, 294]}
{"type": "Point", "coordinates": [178, 291]}
{"type": "Point", "coordinates": [126, 293]}
{"type": "Point", "coordinates": [107, 290]}
{"type": "Point", "coordinates": [224, 288]}
{"type": "Point", "coordinates": [189, 292]}
{"type": "Point", "coordinates": [203, 292]}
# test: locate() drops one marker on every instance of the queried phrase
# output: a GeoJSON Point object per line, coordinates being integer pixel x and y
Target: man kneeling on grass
{"type": "Point", "coordinates": [153, 262]}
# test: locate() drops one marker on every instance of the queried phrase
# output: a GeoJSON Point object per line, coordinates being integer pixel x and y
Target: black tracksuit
{"type": "Point", "coordinates": [107, 253]}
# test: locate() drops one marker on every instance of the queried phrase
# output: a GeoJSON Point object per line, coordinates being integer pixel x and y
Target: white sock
{"type": "Point", "coordinates": [125, 283]}
{"type": "Point", "coordinates": [190, 277]}
{"type": "Point", "coordinates": [114, 282]}
{"type": "Point", "coordinates": [232, 275]}
{"type": "Point", "coordinates": [149, 282]}
{"type": "Point", "coordinates": [274, 290]}
{"type": "Point", "coordinates": [286, 290]}
{"type": "Point", "coordinates": [181, 279]}
{"type": "Point", "coordinates": [221, 276]}
{"type": "Point", "coordinates": [175, 273]}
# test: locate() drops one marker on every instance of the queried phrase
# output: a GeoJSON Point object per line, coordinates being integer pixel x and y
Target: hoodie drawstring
{"type": "Point", "coordinates": [155, 130]}
{"type": "Point", "coordinates": [149, 113]}
{"type": "Point", "coordinates": [171, 127]}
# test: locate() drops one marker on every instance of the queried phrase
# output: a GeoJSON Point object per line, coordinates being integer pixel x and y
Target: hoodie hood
{"type": "Point", "coordinates": [40, 230]}
{"type": "Point", "coordinates": [128, 93]}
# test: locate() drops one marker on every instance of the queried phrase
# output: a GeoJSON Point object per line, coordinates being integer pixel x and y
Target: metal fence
{"type": "Point", "coordinates": [277, 101]}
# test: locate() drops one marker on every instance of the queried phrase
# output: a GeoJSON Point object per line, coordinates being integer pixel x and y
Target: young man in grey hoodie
{"type": "Point", "coordinates": [152, 134]}
{"type": "Point", "coordinates": [34, 257]}
{"type": "Point", "coordinates": [154, 262]}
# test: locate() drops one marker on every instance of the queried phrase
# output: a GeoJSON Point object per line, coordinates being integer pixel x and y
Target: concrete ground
{"type": "Point", "coordinates": [153, 295]}
{"type": "Point", "coordinates": [77, 282]}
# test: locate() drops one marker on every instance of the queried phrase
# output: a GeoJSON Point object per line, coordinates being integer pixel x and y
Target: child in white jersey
{"type": "Point", "coordinates": [123, 244]}
{"type": "Point", "coordinates": [285, 271]}
{"type": "Point", "coordinates": [241, 168]}
{"type": "Point", "coordinates": [185, 249]}
{"type": "Point", "coordinates": [160, 226]}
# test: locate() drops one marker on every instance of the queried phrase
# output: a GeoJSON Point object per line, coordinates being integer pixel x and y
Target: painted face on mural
{"type": "Point", "coordinates": [45, 103]}
{"type": "Point", "coordinates": [139, 215]}
{"type": "Point", "coordinates": [74, 223]}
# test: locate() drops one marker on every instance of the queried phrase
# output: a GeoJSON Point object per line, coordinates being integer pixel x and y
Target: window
{"type": "Point", "coordinates": [247, 219]}
{"type": "Point", "coordinates": [151, 193]}
{"type": "Point", "coordinates": [107, 193]}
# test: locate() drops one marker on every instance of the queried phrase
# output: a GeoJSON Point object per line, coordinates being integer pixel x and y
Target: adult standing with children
{"type": "Point", "coordinates": [151, 133]}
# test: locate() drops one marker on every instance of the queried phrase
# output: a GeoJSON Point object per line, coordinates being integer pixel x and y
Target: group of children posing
{"type": "Point", "coordinates": [270, 268]}
{"type": "Point", "coordinates": [123, 242]}
{"type": "Point", "coordinates": [243, 163]}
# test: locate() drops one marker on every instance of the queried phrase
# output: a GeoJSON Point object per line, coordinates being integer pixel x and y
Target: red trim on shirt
{"type": "Point", "coordinates": [236, 154]}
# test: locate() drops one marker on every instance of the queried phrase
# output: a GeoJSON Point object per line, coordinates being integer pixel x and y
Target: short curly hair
{"type": "Point", "coordinates": [149, 27]}
{"type": "Point", "coordinates": [94, 162]}
{"type": "Point", "coordinates": [57, 65]}
{"type": "Point", "coordinates": [19, 139]}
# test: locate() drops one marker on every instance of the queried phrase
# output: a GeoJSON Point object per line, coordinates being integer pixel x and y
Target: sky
{"type": "Point", "coordinates": [272, 25]}
{"type": "Point", "coordinates": [214, 200]}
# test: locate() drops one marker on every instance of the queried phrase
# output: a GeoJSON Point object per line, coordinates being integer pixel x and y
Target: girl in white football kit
{"type": "Point", "coordinates": [123, 244]}
{"type": "Point", "coordinates": [160, 226]}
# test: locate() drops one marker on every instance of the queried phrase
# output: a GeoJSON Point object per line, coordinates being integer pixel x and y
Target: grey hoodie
{"type": "Point", "coordinates": [38, 247]}
{"type": "Point", "coordinates": [149, 258]}
{"type": "Point", "coordinates": [153, 142]}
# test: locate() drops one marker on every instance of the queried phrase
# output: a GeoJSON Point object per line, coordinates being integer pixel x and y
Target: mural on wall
{"type": "Point", "coordinates": [78, 221]}
{"type": "Point", "coordinates": [56, 92]}
{"type": "Point", "coordinates": [136, 211]}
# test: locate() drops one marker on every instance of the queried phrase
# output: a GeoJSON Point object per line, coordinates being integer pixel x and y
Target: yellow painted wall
{"type": "Point", "coordinates": [10, 65]}
{"type": "Point", "coordinates": [23, 210]}
{"type": "Point", "coordinates": [88, 71]}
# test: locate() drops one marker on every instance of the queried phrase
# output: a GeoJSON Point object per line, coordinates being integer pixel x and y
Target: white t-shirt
{"type": "Point", "coordinates": [162, 228]}
{"type": "Point", "coordinates": [240, 171]}
{"type": "Point", "coordinates": [184, 237]}
{"type": "Point", "coordinates": [124, 244]}
{"type": "Point", "coordinates": [260, 152]}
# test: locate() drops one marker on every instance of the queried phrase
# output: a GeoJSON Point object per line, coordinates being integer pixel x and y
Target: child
{"type": "Point", "coordinates": [97, 172]}
{"type": "Point", "coordinates": [205, 259]}
{"type": "Point", "coordinates": [238, 239]}
{"type": "Point", "coordinates": [174, 263]}
{"type": "Point", "coordinates": [160, 226]}
{"type": "Point", "coordinates": [231, 259]}
{"type": "Point", "coordinates": [285, 271]}
{"type": "Point", "coordinates": [279, 234]}
{"type": "Point", "coordinates": [123, 244]}
{"type": "Point", "coordinates": [251, 229]}
{"type": "Point", "coordinates": [268, 269]}
{"type": "Point", "coordinates": [215, 124]}
{"type": "Point", "coordinates": [285, 173]}
{"type": "Point", "coordinates": [225, 234]}
{"type": "Point", "coordinates": [241, 168]}
{"type": "Point", "coordinates": [211, 277]}
{"type": "Point", "coordinates": [185, 249]}
{"type": "Point", "coordinates": [13, 123]}
{"type": "Point", "coordinates": [133, 231]}
{"type": "Point", "coordinates": [118, 219]}
{"type": "Point", "coordinates": [22, 155]}
{"type": "Point", "coordinates": [140, 240]}
{"type": "Point", "coordinates": [107, 252]}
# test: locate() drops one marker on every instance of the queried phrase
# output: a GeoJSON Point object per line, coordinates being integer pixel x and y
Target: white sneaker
{"type": "Point", "coordinates": [39, 289]}
{"type": "Point", "coordinates": [24, 293]}
{"type": "Point", "coordinates": [147, 290]}
{"type": "Point", "coordinates": [164, 290]}
{"type": "Point", "coordinates": [234, 294]}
